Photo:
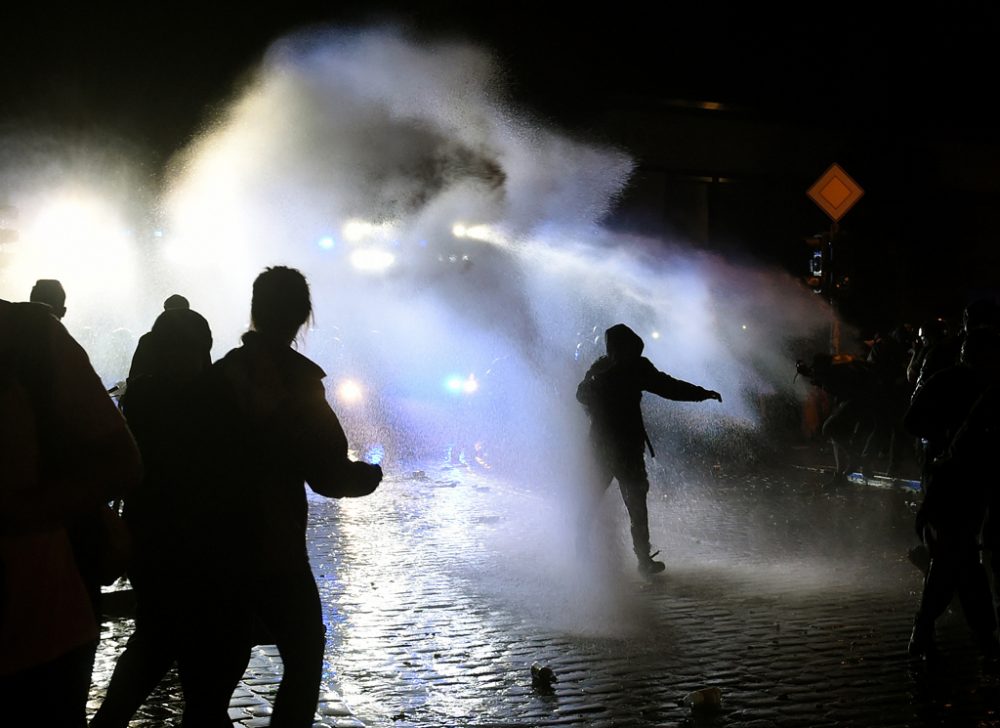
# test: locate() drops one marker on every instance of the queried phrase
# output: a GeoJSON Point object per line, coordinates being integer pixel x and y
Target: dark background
{"type": "Point", "coordinates": [901, 97]}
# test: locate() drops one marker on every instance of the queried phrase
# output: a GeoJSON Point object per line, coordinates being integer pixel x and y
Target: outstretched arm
{"type": "Point", "coordinates": [323, 445]}
{"type": "Point", "coordinates": [666, 386]}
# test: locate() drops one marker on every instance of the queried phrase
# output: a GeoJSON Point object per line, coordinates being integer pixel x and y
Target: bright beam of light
{"type": "Point", "coordinates": [459, 385]}
{"type": "Point", "coordinates": [371, 260]}
{"type": "Point", "coordinates": [361, 231]}
{"type": "Point", "coordinates": [80, 240]}
{"type": "Point", "coordinates": [252, 195]}
{"type": "Point", "coordinates": [349, 392]}
{"type": "Point", "coordinates": [483, 233]}
{"type": "Point", "coordinates": [374, 454]}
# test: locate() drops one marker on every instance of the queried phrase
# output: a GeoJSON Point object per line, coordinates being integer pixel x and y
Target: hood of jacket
{"type": "Point", "coordinates": [622, 343]}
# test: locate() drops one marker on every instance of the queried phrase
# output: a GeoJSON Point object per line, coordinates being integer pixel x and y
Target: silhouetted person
{"type": "Point", "coordinates": [64, 453]}
{"type": "Point", "coordinates": [175, 301]}
{"type": "Point", "coordinates": [853, 387]}
{"type": "Point", "coordinates": [88, 532]}
{"type": "Point", "coordinates": [277, 432]}
{"type": "Point", "coordinates": [162, 406]}
{"type": "Point", "coordinates": [50, 292]}
{"type": "Point", "coordinates": [611, 392]}
{"type": "Point", "coordinates": [941, 349]}
{"type": "Point", "coordinates": [937, 347]}
{"type": "Point", "coordinates": [940, 406]}
{"type": "Point", "coordinates": [889, 358]}
{"type": "Point", "coordinates": [142, 359]}
{"type": "Point", "coordinates": [958, 491]}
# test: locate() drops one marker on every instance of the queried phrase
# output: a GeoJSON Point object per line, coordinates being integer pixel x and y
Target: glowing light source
{"type": "Point", "coordinates": [326, 242]}
{"type": "Point", "coordinates": [457, 384]}
{"type": "Point", "coordinates": [655, 334]}
{"type": "Point", "coordinates": [80, 240]}
{"type": "Point", "coordinates": [349, 391]}
{"type": "Point", "coordinates": [479, 232]}
{"type": "Point", "coordinates": [361, 231]}
{"type": "Point", "coordinates": [372, 260]}
{"type": "Point", "coordinates": [374, 454]}
{"type": "Point", "coordinates": [744, 327]}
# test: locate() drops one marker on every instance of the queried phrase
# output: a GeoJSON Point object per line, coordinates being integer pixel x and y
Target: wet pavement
{"type": "Point", "coordinates": [444, 587]}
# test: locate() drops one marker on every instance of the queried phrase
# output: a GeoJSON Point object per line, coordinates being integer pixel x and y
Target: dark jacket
{"type": "Point", "coordinates": [166, 417]}
{"type": "Point", "coordinates": [940, 406]}
{"type": "Point", "coordinates": [277, 433]}
{"type": "Point", "coordinates": [852, 379]}
{"type": "Point", "coordinates": [611, 391]}
{"type": "Point", "coordinates": [958, 490]}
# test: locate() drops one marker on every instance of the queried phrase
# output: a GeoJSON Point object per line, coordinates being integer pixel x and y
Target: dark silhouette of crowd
{"type": "Point", "coordinates": [210, 460]}
{"type": "Point", "coordinates": [934, 395]}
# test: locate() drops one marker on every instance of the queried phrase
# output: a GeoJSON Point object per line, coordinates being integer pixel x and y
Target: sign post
{"type": "Point", "coordinates": [835, 192]}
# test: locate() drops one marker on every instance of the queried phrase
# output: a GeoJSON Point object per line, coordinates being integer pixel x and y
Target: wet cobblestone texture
{"type": "Point", "coordinates": [443, 588]}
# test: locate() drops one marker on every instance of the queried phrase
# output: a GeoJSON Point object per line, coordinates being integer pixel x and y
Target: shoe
{"type": "Point", "coordinates": [649, 565]}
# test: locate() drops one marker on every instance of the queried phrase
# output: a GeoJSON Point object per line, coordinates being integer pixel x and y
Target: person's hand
{"type": "Point", "coordinates": [365, 478]}
{"type": "Point", "coordinates": [373, 475]}
{"type": "Point", "coordinates": [715, 395]}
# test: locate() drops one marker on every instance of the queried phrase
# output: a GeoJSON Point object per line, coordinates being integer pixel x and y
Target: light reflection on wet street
{"type": "Point", "coordinates": [445, 586]}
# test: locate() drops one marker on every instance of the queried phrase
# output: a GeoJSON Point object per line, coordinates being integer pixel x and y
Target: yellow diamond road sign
{"type": "Point", "coordinates": [835, 192]}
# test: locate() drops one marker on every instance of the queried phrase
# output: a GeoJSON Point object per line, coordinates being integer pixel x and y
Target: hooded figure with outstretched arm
{"type": "Point", "coordinates": [611, 392]}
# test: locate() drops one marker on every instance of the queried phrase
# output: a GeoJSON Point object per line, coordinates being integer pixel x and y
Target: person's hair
{"type": "Point", "coordinates": [183, 327]}
{"type": "Point", "coordinates": [50, 291]}
{"type": "Point", "coordinates": [280, 303]}
{"type": "Point", "coordinates": [179, 346]}
{"type": "Point", "coordinates": [175, 301]}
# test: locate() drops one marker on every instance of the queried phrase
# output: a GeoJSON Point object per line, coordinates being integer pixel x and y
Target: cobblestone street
{"type": "Point", "coordinates": [444, 587]}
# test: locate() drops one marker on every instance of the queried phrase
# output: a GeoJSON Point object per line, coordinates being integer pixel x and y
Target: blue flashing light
{"type": "Point", "coordinates": [461, 385]}
{"type": "Point", "coordinates": [375, 454]}
{"type": "Point", "coordinates": [326, 242]}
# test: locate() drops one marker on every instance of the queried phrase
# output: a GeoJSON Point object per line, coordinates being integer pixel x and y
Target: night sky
{"type": "Point", "coordinates": [152, 71]}
{"type": "Point", "coordinates": [151, 74]}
